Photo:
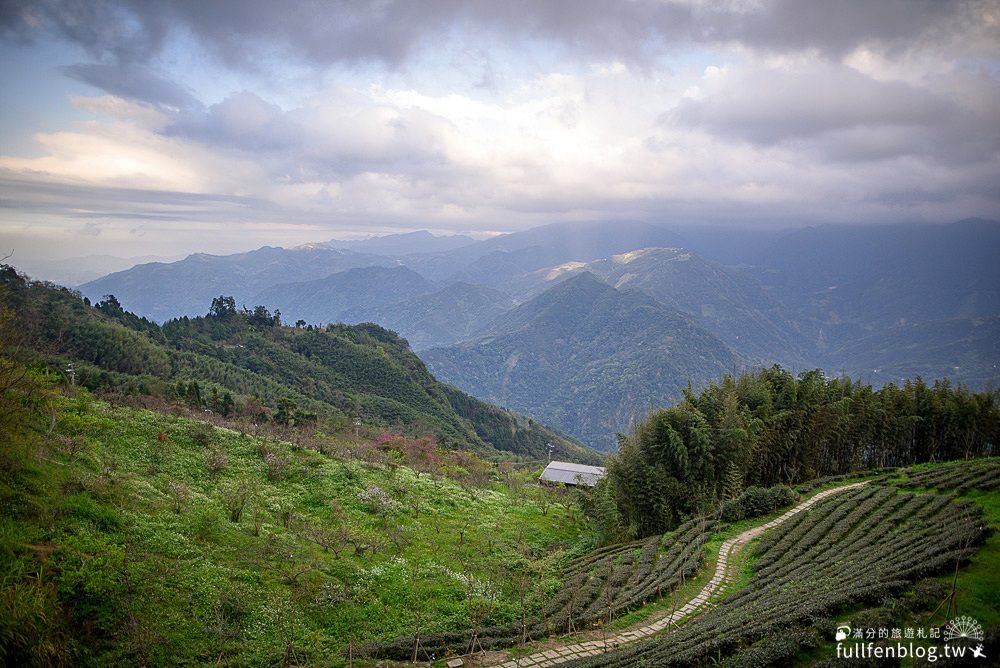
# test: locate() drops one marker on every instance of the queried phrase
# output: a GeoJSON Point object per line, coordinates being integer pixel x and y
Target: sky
{"type": "Point", "coordinates": [137, 128]}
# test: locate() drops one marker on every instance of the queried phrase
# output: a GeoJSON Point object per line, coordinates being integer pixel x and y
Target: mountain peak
{"type": "Point", "coordinates": [653, 251]}
{"type": "Point", "coordinates": [584, 281]}
{"type": "Point", "coordinates": [586, 357]}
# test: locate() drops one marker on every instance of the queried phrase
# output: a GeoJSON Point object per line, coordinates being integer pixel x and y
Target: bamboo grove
{"type": "Point", "coordinates": [768, 427]}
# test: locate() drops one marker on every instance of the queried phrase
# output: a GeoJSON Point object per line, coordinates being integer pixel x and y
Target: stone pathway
{"type": "Point", "coordinates": [728, 548]}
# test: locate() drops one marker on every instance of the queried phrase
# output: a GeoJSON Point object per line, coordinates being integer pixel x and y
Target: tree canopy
{"type": "Point", "coordinates": [770, 428]}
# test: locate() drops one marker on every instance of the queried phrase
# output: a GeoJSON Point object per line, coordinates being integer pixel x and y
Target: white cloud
{"type": "Point", "coordinates": [868, 119]}
{"type": "Point", "coordinates": [774, 103]}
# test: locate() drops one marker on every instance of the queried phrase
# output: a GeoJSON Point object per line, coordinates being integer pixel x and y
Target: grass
{"type": "Point", "coordinates": [978, 581]}
{"type": "Point", "coordinates": [164, 540]}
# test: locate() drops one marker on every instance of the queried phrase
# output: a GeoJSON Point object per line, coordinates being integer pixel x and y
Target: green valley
{"type": "Point", "coordinates": [581, 356]}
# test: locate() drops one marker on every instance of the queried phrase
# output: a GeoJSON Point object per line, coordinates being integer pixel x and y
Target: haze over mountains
{"type": "Point", "coordinates": [585, 358]}
{"type": "Point", "coordinates": [560, 321]}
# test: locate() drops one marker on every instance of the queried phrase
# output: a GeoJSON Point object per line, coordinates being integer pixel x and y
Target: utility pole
{"type": "Point", "coordinates": [71, 372]}
{"type": "Point", "coordinates": [357, 427]}
{"type": "Point", "coordinates": [548, 446]}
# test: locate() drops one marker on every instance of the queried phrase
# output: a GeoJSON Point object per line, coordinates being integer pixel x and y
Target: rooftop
{"type": "Point", "coordinates": [569, 473]}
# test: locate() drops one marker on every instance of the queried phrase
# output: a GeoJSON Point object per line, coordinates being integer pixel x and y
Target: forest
{"type": "Point", "coordinates": [243, 362]}
{"type": "Point", "coordinates": [768, 427]}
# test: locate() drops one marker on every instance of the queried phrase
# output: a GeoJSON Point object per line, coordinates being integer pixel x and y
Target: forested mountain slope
{"type": "Point", "coordinates": [347, 296]}
{"type": "Point", "coordinates": [727, 302]}
{"type": "Point", "coordinates": [440, 318]}
{"type": "Point", "coordinates": [245, 361]}
{"type": "Point", "coordinates": [586, 358]}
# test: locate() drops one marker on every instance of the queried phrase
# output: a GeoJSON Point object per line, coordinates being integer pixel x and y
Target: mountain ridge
{"type": "Point", "coordinates": [161, 291]}
{"type": "Point", "coordinates": [585, 357]}
{"type": "Point", "coordinates": [332, 298]}
{"type": "Point", "coordinates": [320, 376]}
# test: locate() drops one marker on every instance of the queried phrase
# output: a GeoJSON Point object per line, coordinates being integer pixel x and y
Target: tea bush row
{"type": "Point", "coordinates": [598, 586]}
{"type": "Point", "coordinates": [854, 548]}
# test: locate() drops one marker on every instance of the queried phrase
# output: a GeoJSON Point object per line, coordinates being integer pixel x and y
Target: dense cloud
{"type": "Point", "coordinates": [768, 105]}
{"type": "Point", "coordinates": [133, 83]}
{"type": "Point", "coordinates": [326, 140]}
{"type": "Point", "coordinates": [500, 115]}
{"type": "Point", "coordinates": [841, 114]}
{"type": "Point", "coordinates": [389, 30]}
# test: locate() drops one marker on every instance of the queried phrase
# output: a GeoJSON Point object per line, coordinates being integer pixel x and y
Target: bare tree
{"type": "Point", "coordinates": [479, 603]}
{"type": "Point", "coordinates": [179, 495]}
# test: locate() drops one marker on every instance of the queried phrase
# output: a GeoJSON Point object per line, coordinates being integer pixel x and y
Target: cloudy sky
{"type": "Point", "coordinates": [132, 127]}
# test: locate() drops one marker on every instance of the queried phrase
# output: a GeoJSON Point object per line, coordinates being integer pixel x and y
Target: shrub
{"type": "Point", "coordinates": [276, 463]}
{"type": "Point", "coordinates": [179, 495]}
{"type": "Point", "coordinates": [203, 434]}
{"type": "Point", "coordinates": [756, 501]}
{"type": "Point", "coordinates": [236, 497]}
{"type": "Point", "coordinates": [205, 523]}
{"type": "Point", "coordinates": [377, 499]}
{"type": "Point", "coordinates": [216, 461]}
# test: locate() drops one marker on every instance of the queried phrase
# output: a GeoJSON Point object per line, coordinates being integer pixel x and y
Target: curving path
{"type": "Point", "coordinates": [728, 548]}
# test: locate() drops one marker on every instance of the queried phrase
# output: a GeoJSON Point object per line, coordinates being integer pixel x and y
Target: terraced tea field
{"type": "Point", "coordinates": [850, 546]}
{"type": "Point", "coordinates": [599, 586]}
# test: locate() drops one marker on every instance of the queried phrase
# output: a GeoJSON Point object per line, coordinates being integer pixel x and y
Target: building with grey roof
{"type": "Point", "coordinates": [572, 474]}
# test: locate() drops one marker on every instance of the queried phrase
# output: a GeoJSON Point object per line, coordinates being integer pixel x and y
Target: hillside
{"type": "Point", "coordinates": [585, 358]}
{"type": "Point", "coordinates": [842, 284]}
{"type": "Point", "coordinates": [880, 274]}
{"type": "Point", "coordinates": [966, 351]}
{"type": "Point", "coordinates": [246, 363]}
{"type": "Point", "coordinates": [790, 596]}
{"type": "Point", "coordinates": [134, 538]}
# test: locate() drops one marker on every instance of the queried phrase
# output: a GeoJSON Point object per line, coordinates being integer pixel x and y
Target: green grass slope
{"type": "Point", "coordinates": [132, 538]}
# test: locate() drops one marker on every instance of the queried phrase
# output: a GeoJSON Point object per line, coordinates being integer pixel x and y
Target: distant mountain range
{"type": "Point", "coordinates": [728, 302]}
{"type": "Point", "coordinates": [881, 302]}
{"type": "Point", "coordinates": [168, 290]}
{"type": "Point", "coordinates": [345, 296]}
{"type": "Point", "coordinates": [421, 241]}
{"type": "Point", "coordinates": [76, 270]}
{"type": "Point", "coordinates": [585, 358]}
{"type": "Point", "coordinates": [450, 315]}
